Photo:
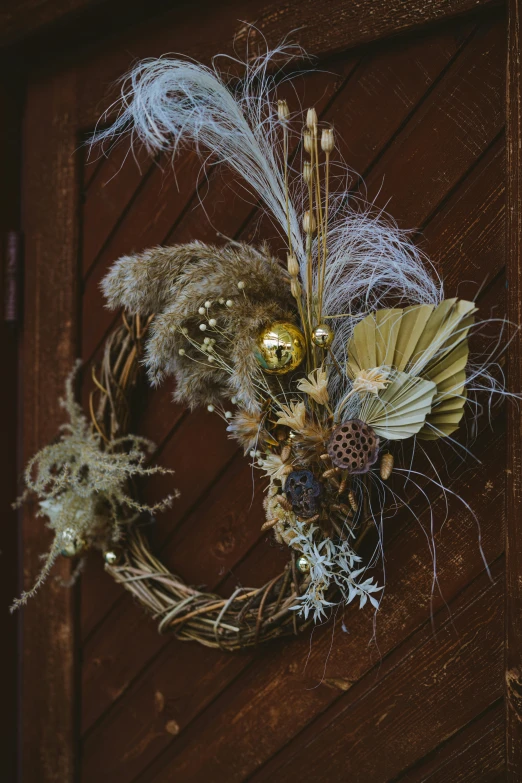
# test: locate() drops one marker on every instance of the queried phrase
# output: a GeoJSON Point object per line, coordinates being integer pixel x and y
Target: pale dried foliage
{"type": "Point", "coordinates": [82, 484]}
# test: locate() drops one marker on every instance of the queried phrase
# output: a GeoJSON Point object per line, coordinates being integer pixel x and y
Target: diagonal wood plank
{"type": "Point", "coordinates": [430, 57]}
{"type": "Point", "coordinates": [275, 680]}
{"type": "Point", "coordinates": [495, 212]}
{"type": "Point", "coordinates": [475, 753]}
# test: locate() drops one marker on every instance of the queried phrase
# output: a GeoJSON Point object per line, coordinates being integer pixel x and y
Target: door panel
{"type": "Point", "coordinates": [421, 118]}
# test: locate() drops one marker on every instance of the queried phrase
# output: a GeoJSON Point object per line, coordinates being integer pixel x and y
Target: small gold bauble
{"type": "Point", "coordinates": [280, 348]}
{"type": "Point", "coordinates": [303, 565]}
{"type": "Point", "coordinates": [70, 544]}
{"type": "Point", "coordinates": [112, 557]}
{"type": "Point", "coordinates": [322, 335]}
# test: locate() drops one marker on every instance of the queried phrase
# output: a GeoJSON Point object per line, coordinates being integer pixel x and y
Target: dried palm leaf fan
{"type": "Point", "coordinates": [317, 368]}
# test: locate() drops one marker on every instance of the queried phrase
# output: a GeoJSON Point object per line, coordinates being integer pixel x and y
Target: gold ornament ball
{"type": "Point", "coordinates": [71, 544]}
{"type": "Point", "coordinates": [280, 348]}
{"type": "Point", "coordinates": [303, 565]}
{"type": "Point", "coordinates": [322, 335]}
{"type": "Point", "coordinates": [112, 557]}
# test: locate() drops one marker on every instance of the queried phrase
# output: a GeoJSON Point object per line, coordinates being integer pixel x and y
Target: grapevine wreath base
{"type": "Point", "coordinates": [320, 368]}
{"type": "Point", "coordinates": [251, 615]}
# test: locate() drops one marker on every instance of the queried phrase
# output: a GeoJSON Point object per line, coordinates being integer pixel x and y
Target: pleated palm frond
{"type": "Point", "coordinates": [426, 341]}
{"type": "Point", "coordinates": [400, 410]}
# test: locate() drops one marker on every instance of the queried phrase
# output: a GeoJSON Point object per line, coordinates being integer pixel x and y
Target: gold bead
{"type": "Point", "coordinates": [303, 565]}
{"type": "Point", "coordinates": [280, 348]}
{"type": "Point", "coordinates": [112, 557]}
{"type": "Point", "coordinates": [322, 335]}
{"type": "Point", "coordinates": [70, 544]}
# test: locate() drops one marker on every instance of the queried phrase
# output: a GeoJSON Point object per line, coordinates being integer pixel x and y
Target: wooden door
{"type": "Point", "coordinates": [422, 116]}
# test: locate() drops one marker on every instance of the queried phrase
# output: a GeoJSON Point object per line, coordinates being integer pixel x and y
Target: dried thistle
{"type": "Point", "coordinates": [246, 428]}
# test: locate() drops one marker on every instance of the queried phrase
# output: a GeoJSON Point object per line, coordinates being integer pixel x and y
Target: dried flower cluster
{"type": "Point", "coordinates": [210, 304]}
{"type": "Point", "coordinates": [82, 486]}
{"type": "Point", "coordinates": [381, 356]}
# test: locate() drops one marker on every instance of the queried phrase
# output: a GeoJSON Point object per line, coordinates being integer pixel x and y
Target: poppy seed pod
{"type": "Point", "coordinates": [327, 140]}
{"type": "Point", "coordinates": [283, 112]}
{"type": "Point", "coordinates": [311, 118]}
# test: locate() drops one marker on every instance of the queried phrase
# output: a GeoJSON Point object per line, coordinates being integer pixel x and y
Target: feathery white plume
{"type": "Point", "coordinates": [166, 103]}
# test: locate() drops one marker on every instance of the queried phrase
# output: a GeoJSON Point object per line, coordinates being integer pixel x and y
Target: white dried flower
{"type": "Point", "coordinates": [316, 386]}
{"type": "Point", "coordinates": [201, 311]}
{"type": "Point", "coordinates": [212, 322]}
{"type": "Point", "coordinates": [370, 381]}
{"type": "Point", "coordinates": [293, 416]}
{"type": "Point", "coordinates": [203, 327]}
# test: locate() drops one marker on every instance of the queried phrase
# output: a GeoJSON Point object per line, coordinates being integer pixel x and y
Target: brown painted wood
{"type": "Point", "coordinates": [475, 753]}
{"type": "Point", "coordinates": [513, 673]}
{"type": "Point", "coordinates": [10, 161]}
{"type": "Point", "coordinates": [121, 674]}
{"type": "Point", "coordinates": [283, 687]}
{"type": "Point", "coordinates": [365, 20]}
{"type": "Point", "coordinates": [156, 709]}
{"type": "Point", "coordinates": [50, 222]}
{"type": "Point", "coordinates": [380, 75]}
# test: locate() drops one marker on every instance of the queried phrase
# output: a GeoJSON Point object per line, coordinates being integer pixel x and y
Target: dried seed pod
{"type": "Point", "coordinates": [330, 472]}
{"type": "Point", "coordinates": [269, 524]}
{"type": "Point", "coordinates": [293, 265]}
{"type": "Point", "coordinates": [285, 453]}
{"type": "Point", "coordinates": [303, 491]}
{"type": "Point", "coordinates": [342, 485]}
{"type": "Point", "coordinates": [284, 503]}
{"type": "Point", "coordinates": [353, 500]}
{"type": "Point", "coordinates": [283, 112]}
{"type": "Point", "coordinates": [386, 466]}
{"type": "Point", "coordinates": [353, 446]}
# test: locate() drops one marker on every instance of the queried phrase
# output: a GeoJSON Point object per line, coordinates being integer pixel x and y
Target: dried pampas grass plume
{"type": "Point", "coordinates": [210, 303]}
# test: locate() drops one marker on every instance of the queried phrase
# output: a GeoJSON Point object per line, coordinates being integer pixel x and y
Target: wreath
{"type": "Point", "coordinates": [319, 368]}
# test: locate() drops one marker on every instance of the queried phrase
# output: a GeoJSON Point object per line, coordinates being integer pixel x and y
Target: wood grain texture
{"type": "Point", "coordinates": [10, 162]}
{"type": "Point", "coordinates": [475, 753]}
{"type": "Point", "coordinates": [513, 672]}
{"type": "Point", "coordinates": [424, 116]}
{"type": "Point", "coordinates": [385, 88]}
{"type": "Point", "coordinates": [278, 683]}
{"type": "Point", "coordinates": [49, 347]}
{"type": "Point", "coordinates": [356, 23]}
{"type": "Point", "coordinates": [108, 676]}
